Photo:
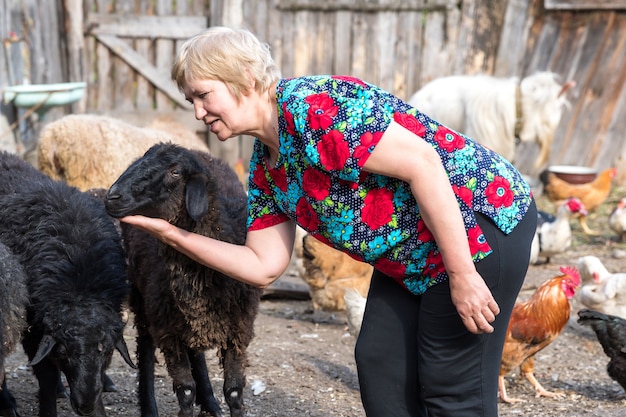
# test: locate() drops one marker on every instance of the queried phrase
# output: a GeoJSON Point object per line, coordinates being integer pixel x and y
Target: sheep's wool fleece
{"type": "Point", "coordinates": [92, 151]}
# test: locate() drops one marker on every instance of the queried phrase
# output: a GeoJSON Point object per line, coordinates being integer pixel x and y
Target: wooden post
{"type": "Point", "coordinates": [75, 46]}
{"type": "Point", "coordinates": [230, 151]}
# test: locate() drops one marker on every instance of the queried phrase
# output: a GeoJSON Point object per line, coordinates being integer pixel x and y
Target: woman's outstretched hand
{"type": "Point", "coordinates": [156, 227]}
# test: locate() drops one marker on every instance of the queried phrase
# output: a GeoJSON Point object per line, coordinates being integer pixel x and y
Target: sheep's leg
{"type": "Point", "coordinates": [234, 380]}
{"type": "Point", "coordinates": [205, 397]}
{"type": "Point", "coordinates": [179, 369]}
{"type": "Point", "coordinates": [48, 377]}
{"type": "Point", "coordinates": [146, 360]}
{"type": "Point", "coordinates": [8, 405]}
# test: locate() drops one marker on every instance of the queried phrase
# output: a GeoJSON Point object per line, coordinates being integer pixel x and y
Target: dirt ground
{"type": "Point", "coordinates": [302, 364]}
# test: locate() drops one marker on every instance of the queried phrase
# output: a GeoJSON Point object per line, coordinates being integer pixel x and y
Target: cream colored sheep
{"type": "Point", "coordinates": [91, 151]}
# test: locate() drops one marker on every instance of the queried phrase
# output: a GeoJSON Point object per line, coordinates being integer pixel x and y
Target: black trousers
{"type": "Point", "coordinates": [415, 357]}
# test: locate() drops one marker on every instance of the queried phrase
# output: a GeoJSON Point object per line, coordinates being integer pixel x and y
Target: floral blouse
{"type": "Point", "coordinates": [328, 127]}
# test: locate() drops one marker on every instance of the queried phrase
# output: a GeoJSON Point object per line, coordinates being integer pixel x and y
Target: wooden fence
{"type": "Point", "coordinates": [124, 50]}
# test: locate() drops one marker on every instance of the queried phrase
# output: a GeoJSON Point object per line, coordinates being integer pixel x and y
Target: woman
{"type": "Point", "coordinates": [446, 223]}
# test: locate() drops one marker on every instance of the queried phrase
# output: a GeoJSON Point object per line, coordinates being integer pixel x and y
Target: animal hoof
{"type": "Point", "coordinates": [9, 412]}
{"type": "Point", "coordinates": [108, 385]}
{"type": "Point", "coordinates": [62, 392]}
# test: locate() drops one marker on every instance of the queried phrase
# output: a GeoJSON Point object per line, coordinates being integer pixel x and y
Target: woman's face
{"type": "Point", "coordinates": [215, 105]}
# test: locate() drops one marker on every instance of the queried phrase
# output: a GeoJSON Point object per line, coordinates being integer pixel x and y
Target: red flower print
{"type": "Point", "coordinates": [477, 241]}
{"type": "Point", "coordinates": [434, 264]}
{"type": "Point", "coordinates": [268, 221]}
{"type": "Point", "coordinates": [321, 111]}
{"type": "Point", "coordinates": [423, 234]}
{"type": "Point", "coordinates": [448, 140]}
{"type": "Point", "coordinates": [464, 194]}
{"type": "Point", "coordinates": [410, 123]}
{"type": "Point", "coordinates": [349, 79]}
{"type": "Point", "coordinates": [377, 208]}
{"type": "Point", "coordinates": [291, 127]}
{"type": "Point", "coordinates": [258, 177]}
{"type": "Point", "coordinates": [307, 218]}
{"type": "Point", "coordinates": [349, 184]}
{"type": "Point", "coordinates": [280, 178]}
{"type": "Point", "coordinates": [333, 150]}
{"type": "Point", "coordinates": [368, 141]}
{"type": "Point", "coordinates": [315, 184]}
{"type": "Point", "coordinates": [393, 269]}
{"type": "Point", "coordinates": [499, 192]}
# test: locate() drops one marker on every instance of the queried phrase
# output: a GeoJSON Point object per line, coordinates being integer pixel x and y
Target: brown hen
{"type": "Point", "coordinates": [592, 194]}
{"type": "Point", "coordinates": [534, 325]}
{"type": "Point", "coordinates": [329, 272]}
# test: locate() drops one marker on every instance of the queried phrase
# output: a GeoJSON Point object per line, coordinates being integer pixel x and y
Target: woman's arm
{"type": "Point", "coordinates": [259, 262]}
{"type": "Point", "coordinates": [402, 155]}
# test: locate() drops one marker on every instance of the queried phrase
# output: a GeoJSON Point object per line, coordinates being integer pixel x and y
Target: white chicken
{"type": "Point", "coordinates": [607, 293]}
{"type": "Point", "coordinates": [617, 219]}
{"type": "Point", "coordinates": [591, 269]}
{"type": "Point", "coordinates": [355, 307]}
{"type": "Point", "coordinates": [554, 234]}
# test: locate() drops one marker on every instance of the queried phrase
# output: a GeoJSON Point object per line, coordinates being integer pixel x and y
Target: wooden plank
{"type": "Point", "coordinates": [75, 45]}
{"type": "Point", "coordinates": [401, 50]}
{"type": "Point", "coordinates": [363, 5]}
{"type": "Point", "coordinates": [371, 71]}
{"type": "Point", "coordinates": [359, 46]}
{"type": "Point", "coordinates": [141, 65]}
{"type": "Point", "coordinates": [123, 85]}
{"type": "Point", "coordinates": [584, 113]}
{"type": "Point", "coordinates": [513, 38]}
{"type": "Point", "coordinates": [170, 27]}
{"type": "Point", "coordinates": [385, 46]}
{"type": "Point", "coordinates": [144, 97]}
{"type": "Point", "coordinates": [104, 69]}
{"type": "Point", "coordinates": [585, 4]}
{"type": "Point", "coordinates": [609, 81]}
{"type": "Point", "coordinates": [413, 56]}
{"type": "Point", "coordinates": [302, 41]}
{"type": "Point", "coordinates": [342, 42]}
{"type": "Point", "coordinates": [436, 60]}
{"type": "Point", "coordinates": [164, 54]}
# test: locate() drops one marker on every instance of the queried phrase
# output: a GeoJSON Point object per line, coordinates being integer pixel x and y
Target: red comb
{"type": "Point", "coordinates": [572, 272]}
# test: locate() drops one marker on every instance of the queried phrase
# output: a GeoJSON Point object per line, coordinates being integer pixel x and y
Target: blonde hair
{"type": "Point", "coordinates": [228, 55]}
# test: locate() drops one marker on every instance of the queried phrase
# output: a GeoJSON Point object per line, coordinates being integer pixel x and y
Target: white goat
{"type": "Point", "coordinates": [497, 111]}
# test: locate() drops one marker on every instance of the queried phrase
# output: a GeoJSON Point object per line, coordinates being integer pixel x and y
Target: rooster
{"type": "Point", "coordinates": [611, 333]}
{"type": "Point", "coordinates": [534, 325]}
{"type": "Point", "coordinates": [554, 234]}
{"type": "Point", "coordinates": [592, 194]}
{"type": "Point", "coordinates": [617, 219]}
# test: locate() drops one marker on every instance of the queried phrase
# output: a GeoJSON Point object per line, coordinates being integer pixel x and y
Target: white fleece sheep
{"type": "Point", "coordinates": [487, 109]}
{"type": "Point", "coordinates": [91, 151]}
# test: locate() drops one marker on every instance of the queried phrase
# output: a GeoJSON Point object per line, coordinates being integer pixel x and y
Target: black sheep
{"type": "Point", "coordinates": [180, 306]}
{"type": "Point", "coordinates": [13, 302]}
{"type": "Point", "coordinates": [76, 279]}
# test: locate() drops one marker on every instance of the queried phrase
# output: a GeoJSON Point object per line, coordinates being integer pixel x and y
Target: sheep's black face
{"type": "Point", "coordinates": [82, 348]}
{"type": "Point", "coordinates": [159, 184]}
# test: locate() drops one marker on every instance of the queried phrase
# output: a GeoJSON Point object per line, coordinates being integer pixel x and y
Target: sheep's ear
{"type": "Point", "coordinates": [45, 346]}
{"type": "Point", "coordinates": [195, 197]}
{"type": "Point", "coordinates": [123, 350]}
